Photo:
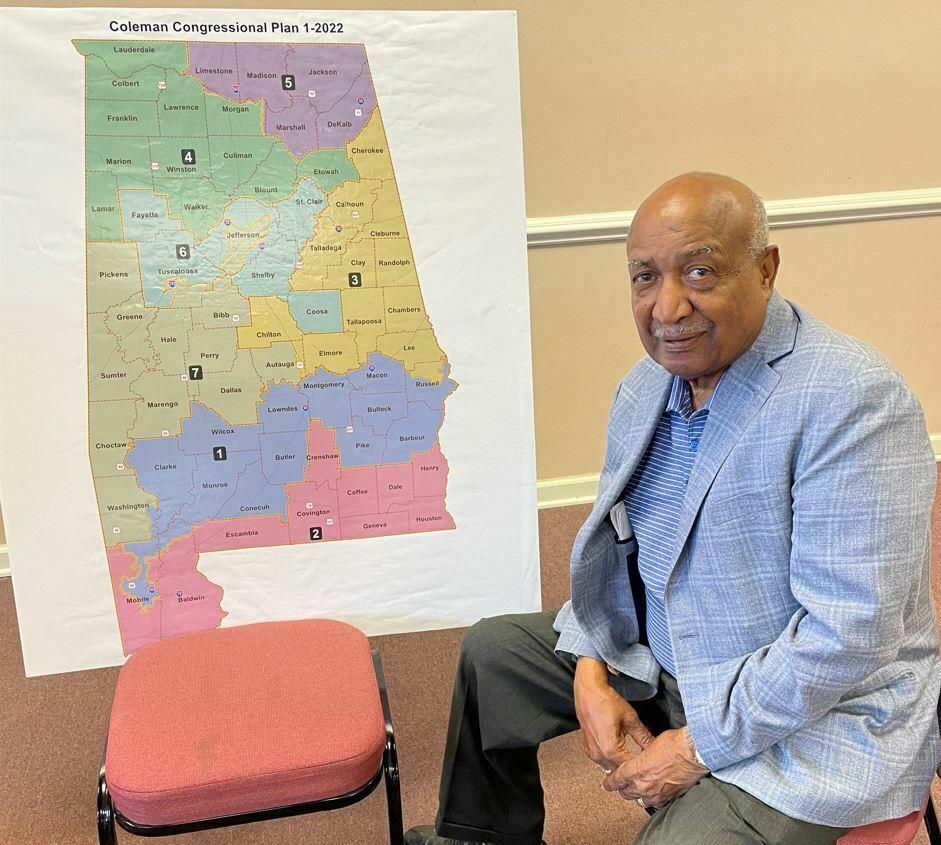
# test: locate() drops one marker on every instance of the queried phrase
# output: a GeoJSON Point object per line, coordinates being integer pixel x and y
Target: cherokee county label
{"type": "Point", "coordinates": [261, 368]}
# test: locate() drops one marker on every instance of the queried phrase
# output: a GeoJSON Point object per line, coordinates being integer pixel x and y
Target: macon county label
{"type": "Point", "coordinates": [261, 368]}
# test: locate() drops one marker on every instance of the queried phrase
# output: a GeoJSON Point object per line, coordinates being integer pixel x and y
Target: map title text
{"type": "Point", "coordinates": [266, 27]}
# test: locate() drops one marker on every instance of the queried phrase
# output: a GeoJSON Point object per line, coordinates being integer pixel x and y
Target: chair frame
{"type": "Point", "coordinates": [931, 822]}
{"type": "Point", "coordinates": [109, 815]}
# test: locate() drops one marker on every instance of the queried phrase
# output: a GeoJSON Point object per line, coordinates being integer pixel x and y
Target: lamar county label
{"type": "Point", "coordinates": [262, 371]}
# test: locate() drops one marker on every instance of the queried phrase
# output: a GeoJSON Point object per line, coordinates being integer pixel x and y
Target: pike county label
{"type": "Point", "coordinates": [262, 370]}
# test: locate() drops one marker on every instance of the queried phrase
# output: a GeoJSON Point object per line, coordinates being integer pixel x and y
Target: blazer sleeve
{"type": "Point", "coordinates": [572, 639]}
{"type": "Point", "coordinates": [862, 487]}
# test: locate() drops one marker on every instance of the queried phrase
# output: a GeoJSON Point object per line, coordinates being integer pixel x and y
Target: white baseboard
{"type": "Point", "coordinates": [782, 214]}
{"type": "Point", "coordinates": [572, 490]}
{"type": "Point", "coordinates": [4, 561]}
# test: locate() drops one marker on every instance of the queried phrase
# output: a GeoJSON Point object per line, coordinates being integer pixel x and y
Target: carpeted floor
{"type": "Point", "coordinates": [51, 732]}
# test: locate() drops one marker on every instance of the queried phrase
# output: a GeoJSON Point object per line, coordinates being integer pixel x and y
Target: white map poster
{"type": "Point", "coordinates": [265, 327]}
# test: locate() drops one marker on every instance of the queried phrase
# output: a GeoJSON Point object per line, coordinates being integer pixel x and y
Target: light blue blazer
{"type": "Point", "coordinates": [799, 603]}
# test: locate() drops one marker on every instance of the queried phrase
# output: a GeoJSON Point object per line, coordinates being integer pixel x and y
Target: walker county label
{"type": "Point", "coordinates": [262, 371]}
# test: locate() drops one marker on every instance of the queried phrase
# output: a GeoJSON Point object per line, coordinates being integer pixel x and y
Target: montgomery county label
{"type": "Point", "coordinates": [261, 367]}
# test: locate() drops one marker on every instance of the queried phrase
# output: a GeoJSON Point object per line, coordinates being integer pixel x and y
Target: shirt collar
{"type": "Point", "coordinates": [681, 400]}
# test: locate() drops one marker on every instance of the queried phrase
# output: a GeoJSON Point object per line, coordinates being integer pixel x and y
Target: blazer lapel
{"type": "Point", "coordinates": [745, 388]}
{"type": "Point", "coordinates": [634, 429]}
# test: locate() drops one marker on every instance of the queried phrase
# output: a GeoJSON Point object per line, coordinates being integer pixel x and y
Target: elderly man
{"type": "Point", "coordinates": [750, 645]}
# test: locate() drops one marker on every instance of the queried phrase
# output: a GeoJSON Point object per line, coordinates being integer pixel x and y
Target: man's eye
{"type": "Point", "coordinates": [641, 278]}
{"type": "Point", "coordinates": [700, 272]}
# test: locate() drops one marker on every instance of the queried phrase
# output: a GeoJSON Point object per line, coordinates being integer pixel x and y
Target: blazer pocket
{"type": "Point", "coordinates": [758, 502]}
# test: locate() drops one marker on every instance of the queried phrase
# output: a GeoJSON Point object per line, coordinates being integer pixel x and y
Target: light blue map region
{"type": "Point", "coordinates": [316, 311]}
{"type": "Point", "coordinates": [268, 268]}
{"type": "Point", "coordinates": [166, 251]}
{"type": "Point", "coordinates": [170, 255]}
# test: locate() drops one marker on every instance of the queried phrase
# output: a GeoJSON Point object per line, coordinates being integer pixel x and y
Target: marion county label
{"type": "Point", "coordinates": [262, 371]}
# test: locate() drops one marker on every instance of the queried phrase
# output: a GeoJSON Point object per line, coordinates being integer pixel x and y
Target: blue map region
{"type": "Point", "coordinates": [316, 311]}
{"type": "Point", "coordinates": [214, 470]}
{"type": "Point", "coordinates": [379, 410]}
{"type": "Point", "coordinates": [161, 241]}
{"type": "Point", "coordinates": [328, 398]}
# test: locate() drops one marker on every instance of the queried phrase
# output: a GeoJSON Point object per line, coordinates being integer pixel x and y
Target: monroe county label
{"type": "Point", "coordinates": [261, 369]}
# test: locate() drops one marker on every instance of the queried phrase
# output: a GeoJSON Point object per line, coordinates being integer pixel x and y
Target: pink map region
{"type": "Point", "coordinates": [184, 599]}
{"type": "Point", "coordinates": [244, 533]}
{"type": "Point", "coordinates": [323, 458]}
{"type": "Point", "coordinates": [367, 501]}
{"type": "Point", "coordinates": [337, 74]}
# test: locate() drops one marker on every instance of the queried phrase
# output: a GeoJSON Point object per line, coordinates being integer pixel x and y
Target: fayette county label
{"type": "Point", "coordinates": [261, 368]}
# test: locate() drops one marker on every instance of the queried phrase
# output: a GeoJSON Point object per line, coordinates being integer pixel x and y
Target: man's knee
{"type": "Point", "coordinates": [485, 641]}
{"type": "Point", "coordinates": [514, 639]}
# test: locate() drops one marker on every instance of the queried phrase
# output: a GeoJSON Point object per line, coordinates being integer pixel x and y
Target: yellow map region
{"type": "Point", "coordinates": [361, 248]}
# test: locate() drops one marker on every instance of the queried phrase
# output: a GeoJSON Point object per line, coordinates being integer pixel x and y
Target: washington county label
{"type": "Point", "coordinates": [261, 368]}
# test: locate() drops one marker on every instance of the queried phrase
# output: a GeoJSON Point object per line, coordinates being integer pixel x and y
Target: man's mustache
{"type": "Point", "coordinates": [675, 331]}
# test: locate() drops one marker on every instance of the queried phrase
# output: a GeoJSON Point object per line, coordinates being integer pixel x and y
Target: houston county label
{"type": "Point", "coordinates": [261, 368]}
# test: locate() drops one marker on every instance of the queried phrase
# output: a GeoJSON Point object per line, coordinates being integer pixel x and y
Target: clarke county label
{"type": "Point", "coordinates": [264, 371]}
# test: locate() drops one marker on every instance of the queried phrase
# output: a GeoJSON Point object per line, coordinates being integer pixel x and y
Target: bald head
{"type": "Point", "coordinates": [732, 204]}
{"type": "Point", "coordinates": [702, 273]}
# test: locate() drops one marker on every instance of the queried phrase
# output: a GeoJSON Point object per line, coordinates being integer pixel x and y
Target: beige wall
{"type": "Point", "coordinates": [797, 98]}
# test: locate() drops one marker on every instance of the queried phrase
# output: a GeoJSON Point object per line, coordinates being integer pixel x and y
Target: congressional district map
{"type": "Point", "coordinates": [261, 368]}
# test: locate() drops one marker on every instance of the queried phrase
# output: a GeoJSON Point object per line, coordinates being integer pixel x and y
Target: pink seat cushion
{"type": "Point", "coordinates": [239, 719]}
{"type": "Point", "coordinates": [892, 832]}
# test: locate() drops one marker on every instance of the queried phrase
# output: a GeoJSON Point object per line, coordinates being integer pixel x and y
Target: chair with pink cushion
{"type": "Point", "coordinates": [244, 724]}
{"type": "Point", "coordinates": [897, 831]}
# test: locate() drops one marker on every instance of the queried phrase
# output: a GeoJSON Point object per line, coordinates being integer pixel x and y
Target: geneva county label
{"type": "Point", "coordinates": [262, 370]}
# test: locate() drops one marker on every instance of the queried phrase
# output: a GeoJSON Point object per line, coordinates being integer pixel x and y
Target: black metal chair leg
{"type": "Point", "coordinates": [390, 760]}
{"type": "Point", "coordinates": [931, 822]}
{"type": "Point", "coordinates": [390, 765]}
{"type": "Point", "coordinates": [107, 832]}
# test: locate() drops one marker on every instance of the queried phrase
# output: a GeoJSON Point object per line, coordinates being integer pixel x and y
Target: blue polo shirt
{"type": "Point", "coordinates": [653, 498]}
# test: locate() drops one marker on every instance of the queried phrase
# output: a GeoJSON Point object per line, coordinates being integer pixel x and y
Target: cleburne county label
{"type": "Point", "coordinates": [261, 368]}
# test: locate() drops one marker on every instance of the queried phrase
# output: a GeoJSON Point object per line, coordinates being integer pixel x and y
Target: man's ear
{"type": "Point", "coordinates": [769, 268]}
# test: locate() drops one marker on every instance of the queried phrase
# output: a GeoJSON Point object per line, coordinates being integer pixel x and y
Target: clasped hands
{"type": "Point", "coordinates": [662, 769]}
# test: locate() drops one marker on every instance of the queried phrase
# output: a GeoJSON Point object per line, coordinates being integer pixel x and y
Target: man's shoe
{"type": "Point", "coordinates": [425, 834]}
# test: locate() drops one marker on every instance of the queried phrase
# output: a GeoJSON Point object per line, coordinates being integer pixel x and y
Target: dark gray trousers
{"type": "Point", "coordinates": [512, 692]}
